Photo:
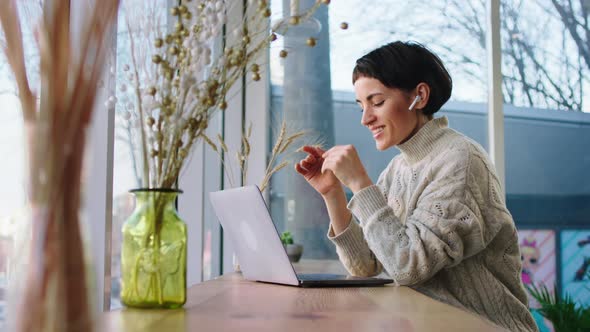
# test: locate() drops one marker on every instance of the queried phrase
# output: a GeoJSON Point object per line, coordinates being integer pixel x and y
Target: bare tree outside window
{"type": "Point", "coordinates": [545, 52]}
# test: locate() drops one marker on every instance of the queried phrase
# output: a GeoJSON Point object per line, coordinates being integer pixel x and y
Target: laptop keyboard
{"type": "Point", "coordinates": [321, 276]}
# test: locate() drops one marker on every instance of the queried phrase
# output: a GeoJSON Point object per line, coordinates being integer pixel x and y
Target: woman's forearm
{"type": "Point", "coordinates": [339, 214]}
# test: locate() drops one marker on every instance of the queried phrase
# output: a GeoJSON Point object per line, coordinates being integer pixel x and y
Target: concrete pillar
{"type": "Point", "coordinates": [307, 104]}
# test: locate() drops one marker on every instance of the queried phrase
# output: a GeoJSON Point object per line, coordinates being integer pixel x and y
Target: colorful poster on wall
{"type": "Point", "coordinates": [537, 251]}
{"type": "Point", "coordinates": [575, 265]}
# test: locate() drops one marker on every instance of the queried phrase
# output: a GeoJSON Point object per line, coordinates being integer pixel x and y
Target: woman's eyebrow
{"type": "Point", "coordinates": [369, 97]}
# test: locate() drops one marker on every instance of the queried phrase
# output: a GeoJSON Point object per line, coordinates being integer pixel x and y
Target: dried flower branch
{"type": "Point", "coordinates": [13, 48]}
{"type": "Point", "coordinates": [266, 179]}
{"type": "Point", "coordinates": [221, 154]}
{"type": "Point", "coordinates": [222, 143]}
{"type": "Point", "coordinates": [244, 154]}
{"type": "Point", "coordinates": [210, 143]}
{"type": "Point", "coordinates": [55, 291]}
{"type": "Point", "coordinates": [317, 146]}
{"type": "Point", "coordinates": [180, 80]}
{"type": "Point", "coordinates": [284, 141]}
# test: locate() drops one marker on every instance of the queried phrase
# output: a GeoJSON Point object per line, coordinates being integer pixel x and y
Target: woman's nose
{"type": "Point", "coordinates": [367, 117]}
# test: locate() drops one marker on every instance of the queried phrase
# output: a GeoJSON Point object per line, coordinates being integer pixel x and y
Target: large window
{"type": "Point", "coordinates": [312, 88]}
{"type": "Point", "coordinates": [546, 88]}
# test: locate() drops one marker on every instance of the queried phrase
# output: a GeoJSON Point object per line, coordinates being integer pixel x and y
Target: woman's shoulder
{"type": "Point", "coordinates": [476, 169]}
{"type": "Point", "coordinates": [459, 153]}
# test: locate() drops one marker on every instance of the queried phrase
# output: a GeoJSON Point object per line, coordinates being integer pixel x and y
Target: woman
{"type": "Point", "coordinates": [436, 219]}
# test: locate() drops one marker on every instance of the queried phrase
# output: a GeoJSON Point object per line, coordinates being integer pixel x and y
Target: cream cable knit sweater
{"type": "Point", "coordinates": [436, 221]}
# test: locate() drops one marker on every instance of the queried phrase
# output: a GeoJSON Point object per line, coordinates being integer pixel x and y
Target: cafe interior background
{"type": "Point", "coordinates": [543, 131]}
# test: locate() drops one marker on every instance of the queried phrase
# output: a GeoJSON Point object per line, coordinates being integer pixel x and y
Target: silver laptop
{"type": "Point", "coordinates": [248, 224]}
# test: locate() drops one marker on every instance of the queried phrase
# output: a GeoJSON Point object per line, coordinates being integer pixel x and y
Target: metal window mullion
{"type": "Point", "coordinates": [495, 100]}
{"type": "Point", "coordinates": [233, 122]}
{"type": "Point", "coordinates": [257, 111]}
{"type": "Point", "coordinates": [190, 208]}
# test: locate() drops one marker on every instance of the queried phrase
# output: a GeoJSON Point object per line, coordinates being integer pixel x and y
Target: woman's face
{"type": "Point", "coordinates": [385, 112]}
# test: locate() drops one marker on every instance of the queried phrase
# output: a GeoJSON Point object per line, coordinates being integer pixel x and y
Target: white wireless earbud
{"type": "Point", "coordinates": [416, 100]}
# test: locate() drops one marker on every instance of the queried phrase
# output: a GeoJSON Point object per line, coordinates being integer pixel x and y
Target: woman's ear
{"type": "Point", "coordinates": [423, 91]}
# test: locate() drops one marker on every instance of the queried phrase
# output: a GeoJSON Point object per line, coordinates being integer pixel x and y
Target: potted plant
{"type": "Point", "coordinates": [293, 250]}
{"type": "Point", "coordinates": [563, 312]}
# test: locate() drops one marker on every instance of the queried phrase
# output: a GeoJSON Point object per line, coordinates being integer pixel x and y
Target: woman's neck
{"type": "Point", "coordinates": [422, 120]}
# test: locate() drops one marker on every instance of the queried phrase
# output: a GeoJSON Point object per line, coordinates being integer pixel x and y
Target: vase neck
{"type": "Point", "coordinates": [165, 197]}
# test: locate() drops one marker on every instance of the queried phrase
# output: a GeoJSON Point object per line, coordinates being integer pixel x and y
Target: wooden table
{"type": "Point", "coordinates": [230, 303]}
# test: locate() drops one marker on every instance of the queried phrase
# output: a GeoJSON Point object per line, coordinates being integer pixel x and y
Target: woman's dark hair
{"type": "Point", "coordinates": [404, 65]}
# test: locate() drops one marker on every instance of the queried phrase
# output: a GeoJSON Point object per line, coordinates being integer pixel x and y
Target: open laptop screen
{"type": "Point", "coordinates": [247, 222]}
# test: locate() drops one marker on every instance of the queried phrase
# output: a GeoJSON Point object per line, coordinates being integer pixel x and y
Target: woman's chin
{"type": "Point", "coordinates": [381, 146]}
{"type": "Point", "coordinates": [384, 143]}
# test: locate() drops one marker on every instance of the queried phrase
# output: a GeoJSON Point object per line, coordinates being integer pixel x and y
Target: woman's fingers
{"type": "Point", "coordinates": [333, 152]}
{"type": "Point", "coordinates": [307, 173]}
{"type": "Point", "coordinates": [326, 166]}
{"type": "Point", "coordinates": [314, 151]}
{"type": "Point", "coordinates": [300, 169]}
{"type": "Point", "coordinates": [312, 162]}
{"type": "Point", "coordinates": [307, 165]}
{"type": "Point", "coordinates": [327, 153]}
{"type": "Point", "coordinates": [340, 150]}
{"type": "Point", "coordinates": [308, 162]}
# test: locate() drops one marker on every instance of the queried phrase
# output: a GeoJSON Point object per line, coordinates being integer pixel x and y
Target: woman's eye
{"type": "Point", "coordinates": [361, 110]}
{"type": "Point", "coordinates": [379, 103]}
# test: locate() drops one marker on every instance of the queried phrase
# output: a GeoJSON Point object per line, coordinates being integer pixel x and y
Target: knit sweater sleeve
{"type": "Point", "coordinates": [445, 227]}
{"type": "Point", "coordinates": [353, 250]}
{"type": "Point", "coordinates": [351, 245]}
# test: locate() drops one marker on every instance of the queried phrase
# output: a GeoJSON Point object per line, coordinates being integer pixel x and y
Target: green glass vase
{"type": "Point", "coordinates": [153, 253]}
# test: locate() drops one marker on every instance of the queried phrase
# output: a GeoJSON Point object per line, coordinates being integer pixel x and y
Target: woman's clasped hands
{"type": "Point", "coordinates": [327, 170]}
